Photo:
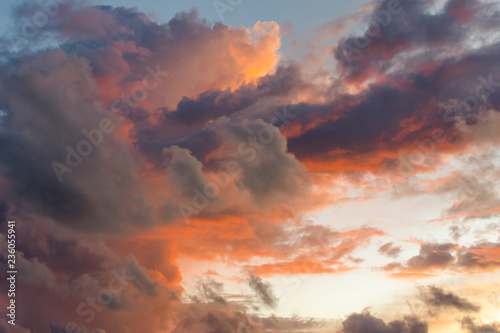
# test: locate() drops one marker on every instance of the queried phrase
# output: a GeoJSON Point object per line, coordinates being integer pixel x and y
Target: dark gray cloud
{"type": "Point", "coordinates": [437, 298]}
{"type": "Point", "coordinates": [390, 32]}
{"type": "Point", "coordinates": [268, 171]}
{"type": "Point", "coordinates": [5, 327]}
{"type": "Point", "coordinates": [209, 290]}
{"type": "Point", "coordinates": [50, 99]}
{"type": "Point", "coordinates": [366, 323]}
{"type": "Point", "coordinates": [263, 290]}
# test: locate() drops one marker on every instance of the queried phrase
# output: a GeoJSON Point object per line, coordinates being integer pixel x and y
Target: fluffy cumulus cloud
{"type": "Point", "coordinates": [126, 143]}
{"type": "Point", "coordinates": [53, 122]}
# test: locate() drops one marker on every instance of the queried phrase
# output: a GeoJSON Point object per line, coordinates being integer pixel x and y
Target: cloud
{"type": "Point", "coordinates": [366, 323]}
{"type": "Point", "coordinates": [97, 193]}
{"type": "Point", "coordinates": [470, 325]}
{"type": "Point", "coordinates": [263, 290]}
{"type": "Point", "coordinates": [268, 171]}
{"type": "Point", "coordinates": [223, 104]}
{"type": "Point", "coordinates": [398, 93]}
{"type": "Point", "coordinates": [326, 251]}
{"type": "Point", "coordinates": [48, 264]}
{"type": "Point", "coordinates": [5, 327]}
{"type": "Point", "coordinates": [482, 256]}
{"type": "Point", "coordinates": [437, 298]}
{"type": "Point", "coordinates": [209, 290]}
{"type": "Point", "coordinates": [211, 318]}
{"type": "Point", "coordinates": [432, 257]}
{"type": "Point", "coordinates": [438, 257]}
{"type": "Point", "coordinates": [390, 250]}
{"type": "Point", "coordinates": [474, 195]}
{"type": "Point", "coordinates": [210, 310]}
{"type": "Point", "coordinates": [63, 328]}
{"type": "Point", "coordinates": [389, 34]}
{"type": "Point", "coordinates": [232, 318]}
{"type": "Point", "coordinates": [227, 57]}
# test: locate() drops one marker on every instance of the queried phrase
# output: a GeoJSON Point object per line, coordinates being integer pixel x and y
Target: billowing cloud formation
{"type": "Point", "coordinates": [66, 174]}
{"type": "Point", "coordinates": [398, 106]}
{"type": "Point", "coordinates": [69, 161]}
{"type": "Point", "coordinates": [130, 143]}
{"type": "Point", "coordinates": [377, 50]}
{"type": "Point", "coordinates": [122, 43]}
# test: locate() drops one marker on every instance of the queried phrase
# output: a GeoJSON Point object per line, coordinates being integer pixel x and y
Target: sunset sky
{"type": "Point", "coordinates": [237, 166]}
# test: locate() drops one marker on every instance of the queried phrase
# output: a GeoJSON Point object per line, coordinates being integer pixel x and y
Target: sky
{"type": "Point", "coordinates": [250, 166]}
